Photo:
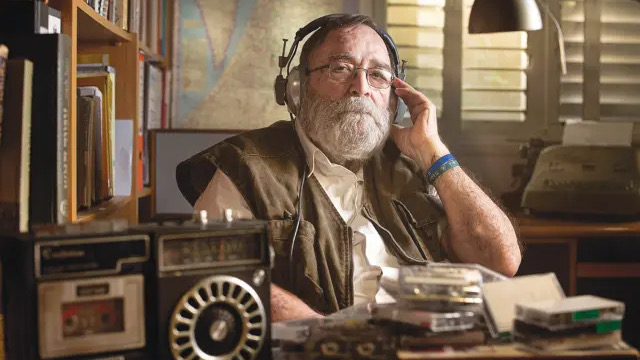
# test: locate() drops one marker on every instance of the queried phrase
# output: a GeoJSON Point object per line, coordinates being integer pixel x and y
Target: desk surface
{"type": "Point", "coordinates": [532, 227]}
{"type": "Point", "coordinates": [511, 351]}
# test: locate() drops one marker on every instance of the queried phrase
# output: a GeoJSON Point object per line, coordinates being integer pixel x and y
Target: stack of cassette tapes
{"type": "Point", "coordinates": [573, 323]}
{"type": "Point", "coordinates": [437, 306]}
{"type": "Point", "coordinates": [333, 338]}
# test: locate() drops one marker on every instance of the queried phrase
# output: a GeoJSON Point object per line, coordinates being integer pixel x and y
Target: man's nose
{"type": "Point", "coordinates": [359, 84]}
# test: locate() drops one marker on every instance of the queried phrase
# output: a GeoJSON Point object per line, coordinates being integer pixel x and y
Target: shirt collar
{"type": "Point", "coordinates": [318, 161]}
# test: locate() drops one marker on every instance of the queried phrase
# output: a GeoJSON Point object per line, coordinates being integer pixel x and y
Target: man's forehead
{"type": "Point", "coordinates": [359, 40]}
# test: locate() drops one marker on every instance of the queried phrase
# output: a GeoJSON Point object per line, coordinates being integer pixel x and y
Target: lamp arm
{"type": "Point", "coordinates": [563, 60]}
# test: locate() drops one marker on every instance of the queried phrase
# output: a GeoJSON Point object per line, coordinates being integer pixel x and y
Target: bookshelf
{"type": "Point", "coordinates": [95, 28]}
{"type": "Point", "coordinates": [91, 33]}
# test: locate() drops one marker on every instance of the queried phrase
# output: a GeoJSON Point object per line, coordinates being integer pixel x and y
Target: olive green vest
{"type": "Point", "coordinates": [266, 165]}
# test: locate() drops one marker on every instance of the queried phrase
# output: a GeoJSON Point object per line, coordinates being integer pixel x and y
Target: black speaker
{"type": "Point", "coordinates": [212, 293]}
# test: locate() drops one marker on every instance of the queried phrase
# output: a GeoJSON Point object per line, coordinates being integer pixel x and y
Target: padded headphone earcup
{"type": "Point", "coordinates": [402, 107]}
{"type": "Point", "coordinates": [400, 110]}
{"type": "Point", "coordinates": [293, 91]}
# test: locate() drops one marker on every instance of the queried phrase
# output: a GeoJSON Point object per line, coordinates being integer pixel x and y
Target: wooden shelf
{"type": "Point", "coordinates": [104, 209]}
{"type": "Point", "coordinates": [144, 192]}
{"type": "Point", "coordinates": [153, 57]}
{"type": "Point", "coordinates": [97, 29]}
{"type": "Point", "coordinates": [91, 33]}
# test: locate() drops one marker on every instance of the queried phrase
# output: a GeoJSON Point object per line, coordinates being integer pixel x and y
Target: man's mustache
{"type": "Point", "coordinates": [354, 105]}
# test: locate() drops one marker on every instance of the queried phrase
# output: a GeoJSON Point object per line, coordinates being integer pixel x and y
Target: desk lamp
{"type": "Point", "coordinates": [489, 16]}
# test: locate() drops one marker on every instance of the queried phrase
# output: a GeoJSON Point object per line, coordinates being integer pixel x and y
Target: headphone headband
{"type": "Point", "coordinates": [288, 92]}
{"type": "Point", "coordinates": [323, 21]}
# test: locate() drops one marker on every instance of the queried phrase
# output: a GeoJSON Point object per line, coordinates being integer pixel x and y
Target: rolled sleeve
{"type": "Point", "coordinates": [222, 194]}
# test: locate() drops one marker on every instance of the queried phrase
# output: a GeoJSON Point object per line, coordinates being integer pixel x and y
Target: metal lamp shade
{"type": "Point", "coordinates": [489, 16]}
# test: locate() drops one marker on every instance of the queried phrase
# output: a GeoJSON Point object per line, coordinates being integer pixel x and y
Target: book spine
{"type": "Point", "coordinates": [4, 54]}
{"type": "Point", "coordinates": [141, 117]}
{"type": "Point", "coordinates": [133, 13]}
{"type": "Point", "coordinates": [62, 173]}
{"type": "Point", "coordinates": [2, 345]}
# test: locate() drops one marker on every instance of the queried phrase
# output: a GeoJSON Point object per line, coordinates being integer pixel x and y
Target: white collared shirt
{"type": "Point", "coordinates": [372, 263]}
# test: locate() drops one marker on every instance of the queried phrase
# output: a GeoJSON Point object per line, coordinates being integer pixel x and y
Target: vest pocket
{"type": "Point", "coordinates": [305, 281]}
{"type": "Point", "coordinates": [420, 213]}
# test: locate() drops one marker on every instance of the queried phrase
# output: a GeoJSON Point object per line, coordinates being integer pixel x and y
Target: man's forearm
{"type": "Point", "coordinates": [478, 230]}
{"type": "Point", "coordinates": [286, 306]}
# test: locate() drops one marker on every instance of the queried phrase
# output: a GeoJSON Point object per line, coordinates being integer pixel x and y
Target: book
{"type": "Point", "coordinates": [141, 112]}
{"type": "Point", "coordinates": [152, 114]}
{"type": "Point", "coordinates": [124, 157]}
{"type": "Point", "coordinates": [29, 17]}
{"type": "Point", "coordinates": [84, 142]}
{"type": "Point", "coordinates": [122, 14]}
{"type": "Point", "coordinates": [4, 54]}
{"type": "Point", "coordinates": [96, 144]}
{"type": "Point", "coordinates": [166, 98]}
{"type": "Point", "coordinates": [54, 21]}
{"type": "Point", "coordinates": [15, 149]}
{"type": "Point", "coordinates": [134, 16]}
{"type": "Point", "coordinates": [85, 60]}
{"type": "Point", "coordinates": [152, 26]}
{"type": "Point", "coordinates": [49, 173]}
{"type": "Point", "coordinates": [104, 79]}
{"type": "Point", "coordinates": [162, 41]}
{"type": "Point", "coordinates": [2, 312]}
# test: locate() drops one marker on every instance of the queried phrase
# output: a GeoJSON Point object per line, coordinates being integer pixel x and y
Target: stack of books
{"type": "Point", "coordinates": [36, 127]}
{"type": "Point", "coordinates": [573, 323]}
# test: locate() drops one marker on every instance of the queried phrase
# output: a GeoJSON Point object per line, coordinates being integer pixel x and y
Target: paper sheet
{"type": "Point", "coordinates": [597, 133]}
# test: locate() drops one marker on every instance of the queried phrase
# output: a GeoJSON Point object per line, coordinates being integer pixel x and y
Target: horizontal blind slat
{"type": "Point", "coordinates": [417, 27]}
{"type": "Point", "coordinates": [494, 80]}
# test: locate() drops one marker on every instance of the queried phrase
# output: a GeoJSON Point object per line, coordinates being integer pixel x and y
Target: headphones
{"type": "Point", "coordinates": [287, 89]}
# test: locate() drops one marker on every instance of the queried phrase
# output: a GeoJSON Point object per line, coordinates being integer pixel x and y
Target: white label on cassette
{"type": "Point", "coordinates": [89, 316]}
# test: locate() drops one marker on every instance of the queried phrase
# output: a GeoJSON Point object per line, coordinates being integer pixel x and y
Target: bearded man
{"type": "Point", "coordinates": [357, 184]}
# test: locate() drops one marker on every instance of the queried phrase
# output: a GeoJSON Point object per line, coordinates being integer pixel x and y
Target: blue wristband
{"type": "Point", "coordinates": [441, 166]}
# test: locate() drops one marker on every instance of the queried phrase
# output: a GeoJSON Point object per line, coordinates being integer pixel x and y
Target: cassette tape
{"type": "Point", "coordinates": [523, 329]}
{"type": "Point", "coordinates": [435, 322]}
{"type": "Point", "coordinates": [440, 288]}
{"type": "Point", "coordinates": [334, 338]}
{"type": "Point", "coordinates": [349, 340]}
{"type": "Point", "coordinates": [560, 314]}
{"type": "Point", "coordinates": [95, 315]}
{"type": "Point", "coordinates": [609, 340]}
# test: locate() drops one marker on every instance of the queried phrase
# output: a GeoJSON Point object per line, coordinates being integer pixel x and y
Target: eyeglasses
{"type": "Point", "coordinates": [344, 72]}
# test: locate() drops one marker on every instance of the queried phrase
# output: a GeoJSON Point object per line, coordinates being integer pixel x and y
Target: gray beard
{"type": "Point", "coordinates": [349, 130]}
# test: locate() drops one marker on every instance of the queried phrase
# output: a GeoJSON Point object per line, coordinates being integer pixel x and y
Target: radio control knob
{"type": "Point", "coordinates": [201, 217]}
{"type": "Point", "coordinates": [272, 257]}
{"type": "Point", "coordinates": [219, 330]}
{"type": "Point", "coordinates": [259, 276]}
{"type": "Point", "coordinates": [227, 215]}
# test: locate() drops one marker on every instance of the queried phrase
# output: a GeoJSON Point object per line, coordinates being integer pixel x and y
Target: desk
{"type": "Point", "coordinates": [512, 352]}
{"type": "Point", "coordinates": [599, 258]}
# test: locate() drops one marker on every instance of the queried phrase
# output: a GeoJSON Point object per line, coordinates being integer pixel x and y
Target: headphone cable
{"type": "Point", "coordinates": [297, 226]}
